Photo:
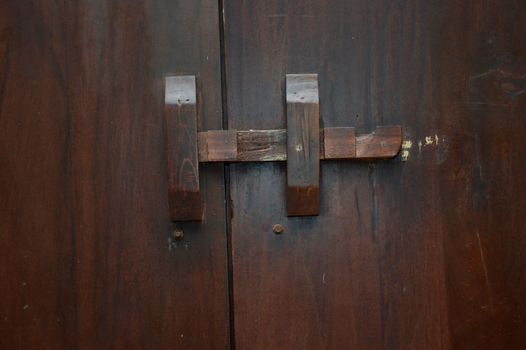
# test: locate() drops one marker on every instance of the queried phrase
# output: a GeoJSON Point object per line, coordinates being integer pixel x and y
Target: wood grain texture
{"type": "Point", "coordinates": [303, 144]}
{"type": "Point", "coordinates": [271, 145]}
{"type": "Point", "coordinates": [384, 142]}
{"type": "Point", "coordinates": [425, 253]}
{"type": "Point", "coordinates": [316, 285]}
{"type": "Point", "coordinates": [86, 261]}
{"type": "Point", "coordinates": [481, 179]}
{"type": "Point", "coordinates": [340, 143]}
{"type": "Point", "coordinates": [180, 129]}
{"type": "Point", "coordinates": [218, 146]}
{"type": "Point", "coordinates": [262, 145]}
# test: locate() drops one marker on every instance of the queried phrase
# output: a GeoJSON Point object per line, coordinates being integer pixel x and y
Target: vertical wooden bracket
{"type": "Point", "coordinates": [180, 112]}
{"type": "Point", "coordinates": [303, 145]}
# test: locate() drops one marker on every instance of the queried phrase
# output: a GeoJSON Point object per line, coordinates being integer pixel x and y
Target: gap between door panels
{"type": "Point", "coordinates": [226, 174]}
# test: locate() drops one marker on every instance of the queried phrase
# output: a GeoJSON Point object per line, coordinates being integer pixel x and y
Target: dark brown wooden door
{"type": "Point", "coordinates": [86, 259]}
{"type": "Point", "coordinates": [425, 251]}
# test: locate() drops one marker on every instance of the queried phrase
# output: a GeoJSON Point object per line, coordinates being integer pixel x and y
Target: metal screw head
{"type": "Point", "coordinates": [278, 229]}
{"type": "Point", "coordinates": [178, 234]}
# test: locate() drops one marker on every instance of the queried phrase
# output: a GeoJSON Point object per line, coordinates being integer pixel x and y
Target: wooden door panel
{"type": "Point", "coordinates": [482, 195]}
{"type": "Point", "coordinates": [422, 252]}
{"type": "Point", "coordinates": [86, 261]}
{"type": "Point", "coordinates": [282, 294]}
{"type": "Point", "coordinates": [327, 282]}
{"type": "Point", "coordinates": [35, 257]}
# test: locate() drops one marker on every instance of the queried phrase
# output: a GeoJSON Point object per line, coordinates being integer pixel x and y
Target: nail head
{"type": "Point", "coordinates": [278, 229]}
{"type": "Point", "coordinates": [178, 234]}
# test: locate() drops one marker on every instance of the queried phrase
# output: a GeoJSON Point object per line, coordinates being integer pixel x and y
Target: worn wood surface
{"type": "Point", "coordinates": [218, 146]}
{"type": "Point", "coordinates": [180, 138]}
{"type": "Point", "coordinates": [424, 252]}
{"type": "Point", "coordinates": [480, 170]}
{"type": "Point", "coordinates": [85, 260]}
{"type": "Point", "coordinates": [340, 143]}
{"type": "Point", "coordinates": [303, 144]}
{"type": "Point", "coordinates": [271, 145]}
{"type": "Point", "coordinates": [384, 142]}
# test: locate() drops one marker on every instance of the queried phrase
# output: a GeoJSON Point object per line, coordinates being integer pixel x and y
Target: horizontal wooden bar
{"type": "Point", "coordinates": [339, 143]}
{"type": "Point", "coordinates": [271, 145]}
{"type": "Point", "coordinates": [384, 142]}
{"type": "Point", "coordinates": [219, 144]}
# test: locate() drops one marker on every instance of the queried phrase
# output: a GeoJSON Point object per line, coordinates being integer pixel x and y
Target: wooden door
{"type": "Point", "coordinates": [86, 256]}
{"type": "Point", "coordinates": [422, 252]}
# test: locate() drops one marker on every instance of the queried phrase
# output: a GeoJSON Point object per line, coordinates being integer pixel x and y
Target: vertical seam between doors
{"type": "Point", "coordinates": [226, 174]}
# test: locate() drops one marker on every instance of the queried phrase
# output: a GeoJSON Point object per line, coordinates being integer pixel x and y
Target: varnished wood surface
{"type": "Point", "coordinates": [86, 261]}
{"type": "Point", "coordinates": [303, 144]}
{"type": "Point", "coordinates": [271, 145]}
{"type": "Point", "coordinates": [340, 143]}
{"type": "Point", "coordinates": [425, 252]}
{"type": "Point", "coordinates": [383, 142]}
{"type": "Point", "coordinates": [481, 182]}
{"type": "Point", "coordinates": [180, 138]}
{"type": "Point", "coordinates": [218, 146]}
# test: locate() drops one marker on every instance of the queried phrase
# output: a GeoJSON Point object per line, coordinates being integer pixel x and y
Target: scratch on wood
{"type": "Point", "coordinates": [429, 140]}
{"type": "Point", "coordinates": [406, 147]}
{"type": "Point", "coordinates": [434, 142]}
{"type": "Point", "coordinates": [279, 15]}
{"type": "Point", "coordinates": [483, 261]}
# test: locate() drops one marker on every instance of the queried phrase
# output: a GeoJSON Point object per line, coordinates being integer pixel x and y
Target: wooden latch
{"type": "Point", "coordinates": [302, 145]}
